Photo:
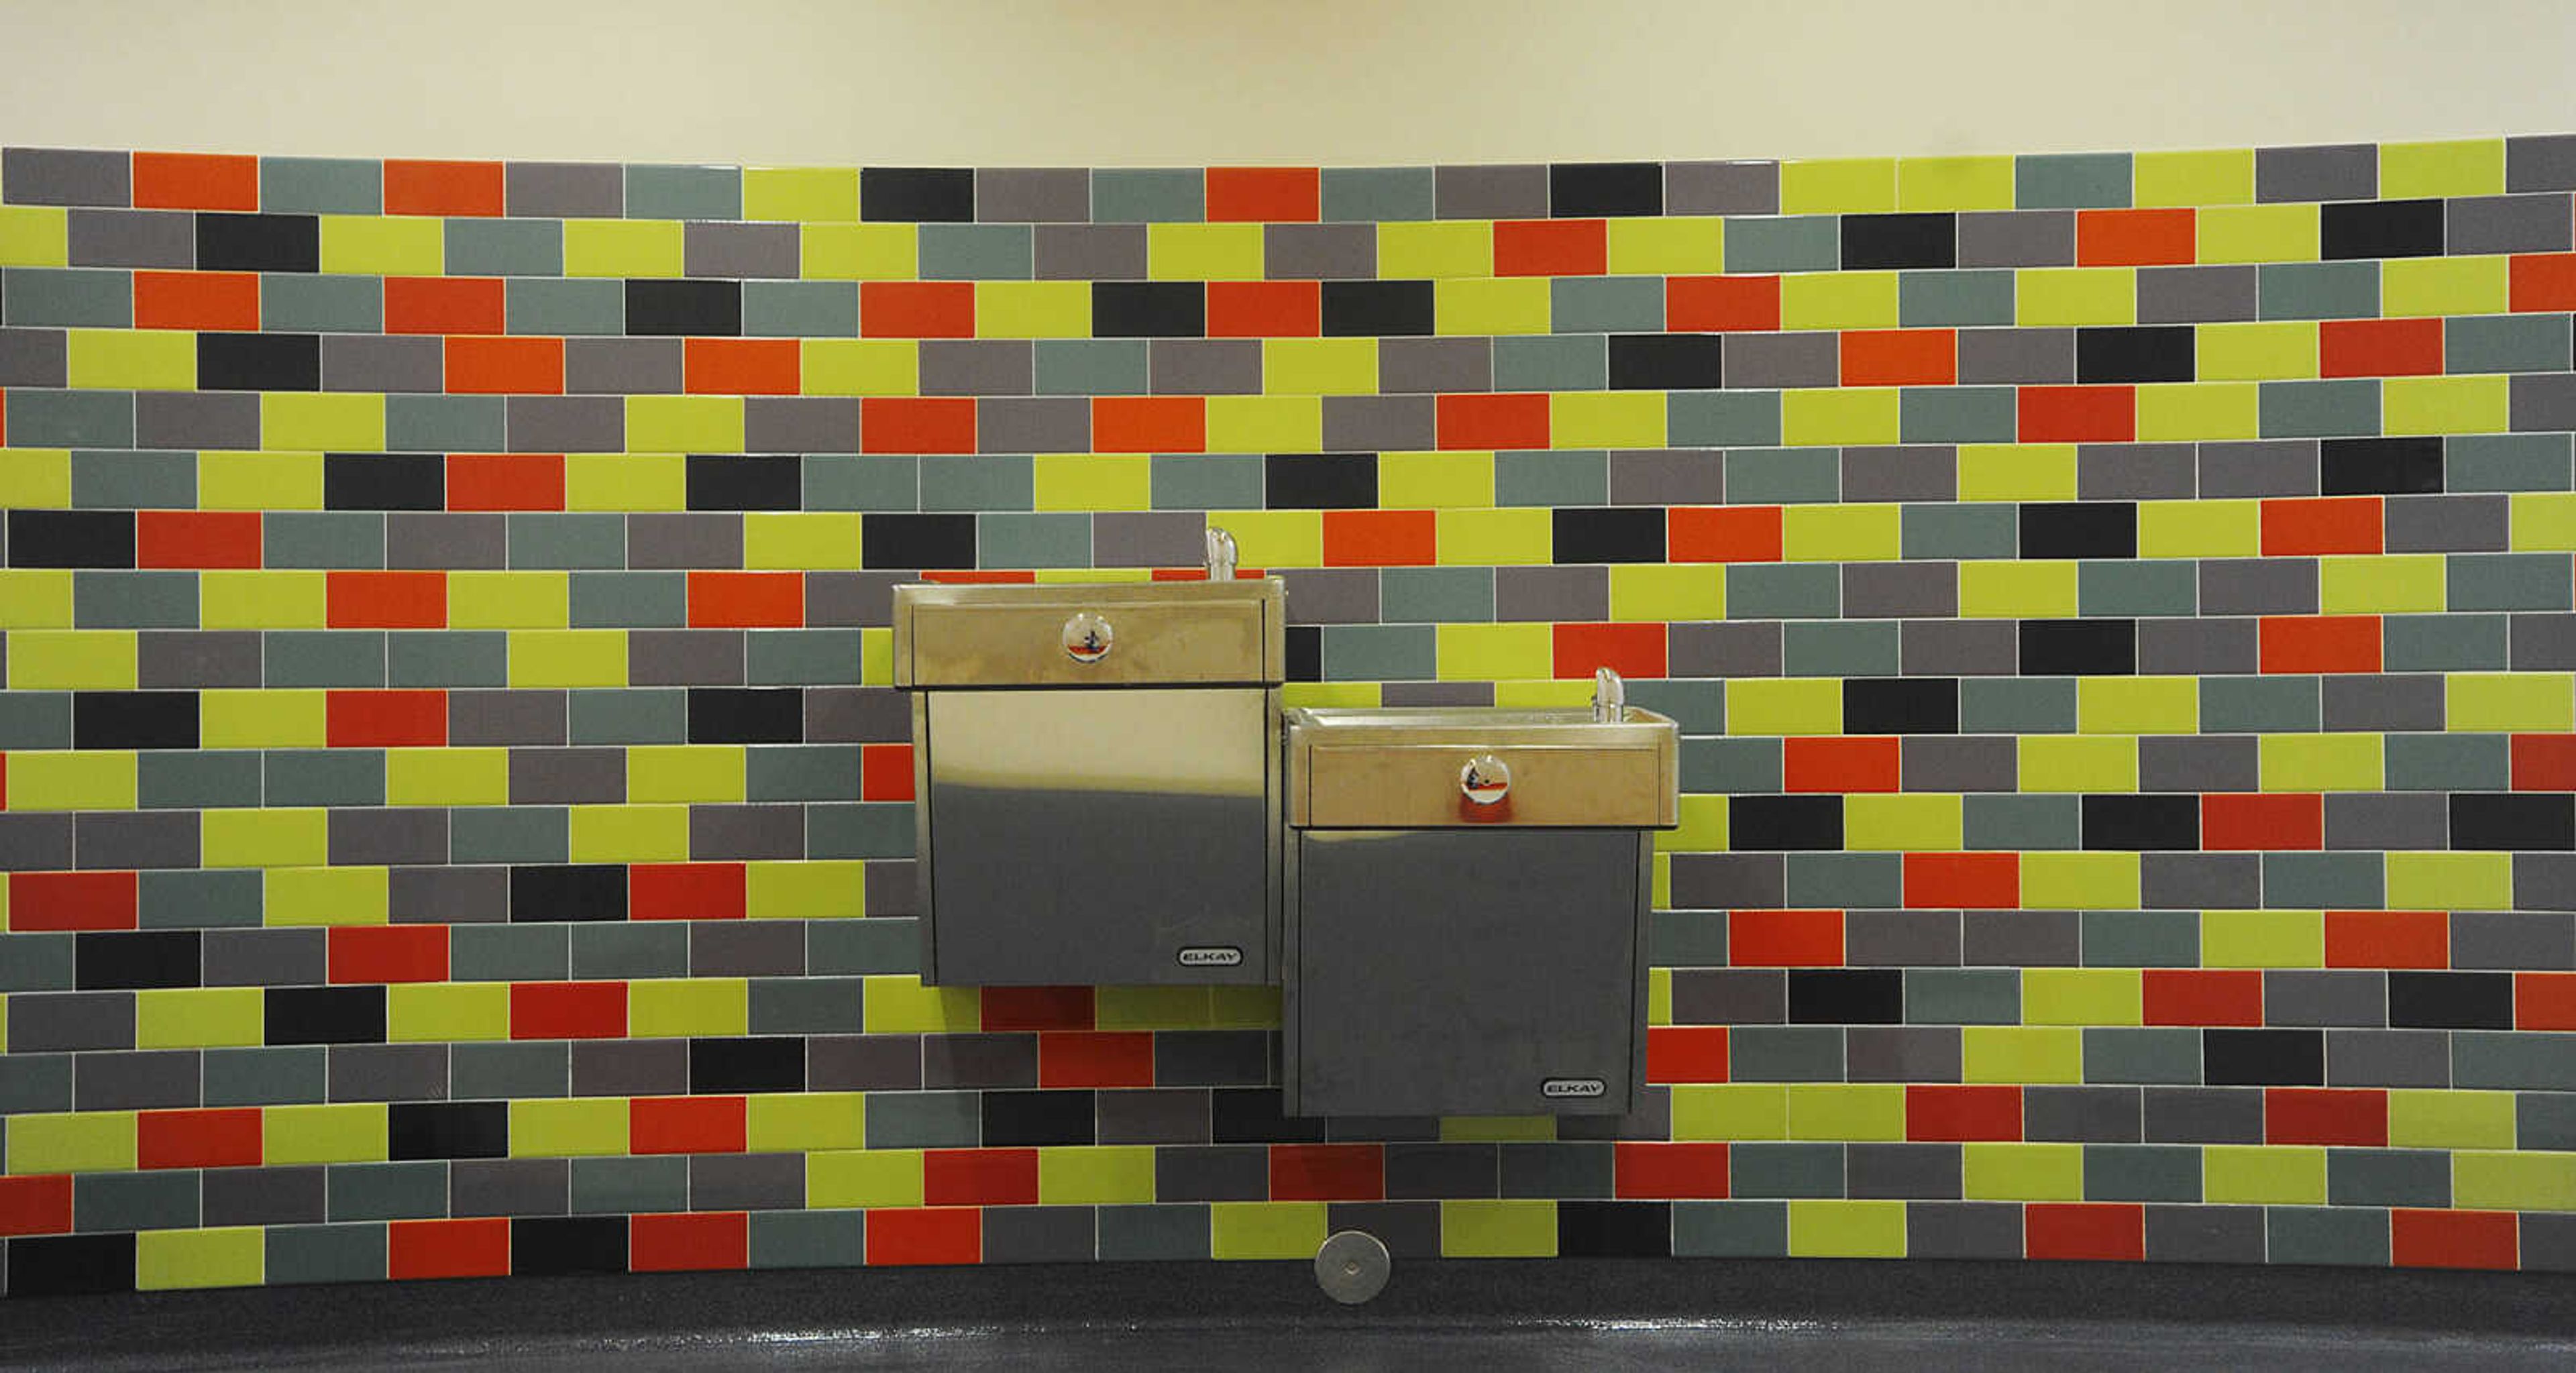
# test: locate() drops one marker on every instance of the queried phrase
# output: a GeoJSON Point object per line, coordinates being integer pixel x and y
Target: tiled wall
{"type": "Point", "coordinates": [2119, 609]}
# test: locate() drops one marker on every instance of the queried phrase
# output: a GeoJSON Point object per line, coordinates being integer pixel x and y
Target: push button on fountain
{"type": "Point", "coordinates": [1087, 638]}
{"type": "Point", "coordinates": [1485, 779]}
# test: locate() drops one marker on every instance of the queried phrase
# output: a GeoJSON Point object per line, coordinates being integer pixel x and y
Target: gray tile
{"type": "Point", "coordinates": [152, 839]}
{"type": "Point", "coordinates": [741, 251]}
{"type": "Point", "coordinates": [1957, 647]}
{"type": "Point", "coordinates": [2341, 171]}
{"type": "Point", "coordinates": [378, 362]}
{"type": "Point", "coordinates": [623, 1185]}
{"type": "Point", "coordinates": [388, 1072]}
{"type": "Point", "coordinates": [2208, 762]}
{"type": "Point", "coordinates": [2384, 702]}
{"type": "Point", "coordinates": [1378, 424]}
{"type": "Point", "coordinates": [264, 1077]}
{"type": "Point", "coordinates": [1032, 195]}
{"type": "Point", "coordinates": [2019, 705]}
{"type": "Point", "coordinates": [1031, 424]}
{"type": "Point", "coordinates": [2017, 238]}
{"type": "Point", "coordinates": [2072, 181]}
{"type": "Point", "coordinates": [2319, 290]}
{"type": "Point", "coordinates": [1606, 305]}
{"type": "Point", "coordinates": [1150, 538]}
{"type": "Point", "coordinates": [2204, 1234]}
{"type": "Point", "coordinates": [801, 424]}
{"type": "Point", "coordinates": [2500, 343]}
{"type": "Point", "coordinates": [182, 419]}
{"type": "Point", "coordinates": [2534, 941]}
{"type": "Point", "coordinates": [1963, 1229]}
{"type": "Point", "coordinates": [2318, 997]}
{"type": "Point", "coordinates": [1900, 589]}
{"type": "Point", "coordinates": [746, 1182]}
{"type": "Point", "coordinates": [2507, 462]}
{"type": "Point", "coordinates": [567, 776]}
{"type": "Point", "coordinates": [1914, 472]}
{"type": "Point", "coordinates": [445, 895]}
{"type": "Point", "coordinates": [565, 190]}
{"type": "Point", "coordinates": [73, 419]}
{"type": "Point", "coordinates": [1573, 362]}
{"type": "Point", "coordinates": [873, 715]}
{"type": "Point", "coordinates": [2198, 646]}
{"type": "Point", "coordinates": [1319, 252]}
{"type": "Point", "coordinates": [506, 717]}
{"type": "Point", "coordinates": [1212, 367]}
{"type": "Point", "coordinates": [321, 185]}
{"type": "Point", "coordinates": [886, 1063]}
{"type": "Point", "coordinates": [1728, 881]}
{"type": "Point", "coordinates": [33, 357]}
{"type": "Point", "coordinates": [1667, 476]}
{"type": "Point", "coordinates": [508, 1187]}
{"type": "Point", "coordinates": [1785, 1170]}
{"type": "Point", "coordinates": [132, 238]}
{"type": "Point", "coordinates": [135, 1201]}
{"type": "Point", "coordinates": [2343, 881]}
{"type": "Point", "coordinates": [2135, 471]}
{"type": "Point", "coordinates": [2086, 1115]}
{"type": "Point", "coordinates": [2543, 402]}
{"type": "Point", "coordinates": [170, 900]}
{"type": "Point", "coordinates": [1927, 1171]}
{"type": "Point", "coordinates": [2446, 524]}
{"type": "Point", "coordinates": [507, 953]}
{"type": "Point", "coordinates": [751, 948]}
{"type": "Point", "coordinates": [134, 600]}
{"type": "Point", "coordinates": [1901, 939]}
{"type": "Point", "coordinates": [2258, 586]}
{"type": "Point", "coordinates": [1847, 648]}
{"type": "Point", "coordinates": [131, 1081]}
{"type": "Point", "coordinates": [73, 297]}
{"type": "Point", "coordinates": [2016, 356]}
{"type": "Point", "coordinates": [566, 424]}
{"type": "Point", "coordinates": [1790, 1053]}
{"type": "Point", "coordinates": [631, 1067]}
{"type": "Point", "coordinates": [388, 835]}
{"type": "Point", "coordinates": [1901, 1053]}
{"type": "Point", "coordinates": [801, 309]}
{"type": "Point", "coordinates": [1783, 360]}
{"type": "Point", "coordinates": [1552, 593]}
{"type": "Point", "coordinates": [977, 367]}
{"type": "Point", "coordinates": [2507, 224]}
{"type": "Point", "coordinates": [683, 539]}
{"type": "Point", "coordinates": [1084, 367]}
{"type": "Point", "coordinates": [2141, 1173]}
{"type": "Point", "coordinates": [2204, 1115]}
{"type": "Point", "coordinates": [1789, 592]}
{"type": "Point", "coordinates": [2442, 643]}
{"type": "Point", "coordinates": [1089, 252]}
{"type": "Point", "coordinates": [2441, 762]}
{"type": "Point", "coordinates": [2192, 295]}
{"type": "Point", "coordinates": [261, 1196]}
{"type": "Point", "coordinates": [69, 176]}
{"type": "Point", "coordinates": [1332, 595]}
{"type": "Point", "coordinates": [2202, 881]}
{"type": "Point", "coordinates": [446, 540]}
{"type": "Point", "coordinates": [1956, 298]}
{"type": "Point", "coordinates": [623, 366]}
{"type": "Point", "coordinates": [45, 1022]}
{"type": "Point", "coordinates": [747, 832]}
{"type": "Point", "coordinates": [1732, 766]}
{"type": "Point", "coordinates": [2540, 163]}
{"type": "Point", "coordinates": [1419, 364]}
{"type": "Point", "coordinates": [1516, 191]}
{"type": "Point", "coordinates": [1722, 188]}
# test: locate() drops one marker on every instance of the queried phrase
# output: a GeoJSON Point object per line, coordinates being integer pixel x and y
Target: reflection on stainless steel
{"type": "Point", "coordinates": [1168, 633]}
{"type": "Point", "coordinates": [1401, 767]}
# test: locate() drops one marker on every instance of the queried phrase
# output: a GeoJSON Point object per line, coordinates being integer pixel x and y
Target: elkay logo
{"type": "Point", "coordinates": [1573, 1086]}
{"type": "Point", "coordinates": [1221, 956]}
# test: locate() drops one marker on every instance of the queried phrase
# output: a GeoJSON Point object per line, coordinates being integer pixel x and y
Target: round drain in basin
{"type": "Point", "coordinates": [1351, 1267]}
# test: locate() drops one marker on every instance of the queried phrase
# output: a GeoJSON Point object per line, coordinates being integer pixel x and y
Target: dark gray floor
{"type": "Point", "coordinates": [1574, 1314]}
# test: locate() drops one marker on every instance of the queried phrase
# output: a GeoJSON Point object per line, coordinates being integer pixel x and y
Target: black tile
{"type": "Point", "coordinates": [1320, 481]}
{"type": "Point", "coordinates": [1758, 824]}
{"type": "Point", "coordinates": [908, 542]}
{"type": "Point", "coordinates": [259, 243]}
{"type": "Point", "coordinates": [2079, 529]}
{"type": "Point", "coordinates": [1305, 653]}
{"type": "Point", "coordinates": [147, 958]}
{"type": "Point", "coordinates": [1212, 1058]}
{"type": "Point", "coordinates": [2155, 821]}
{"type": "Point", "coordinates": [259, 362]}
{"type": "Point", "coordinates": [325, 1015]}
{"type": "Point", "coordinates": [1900, 705]}
{"type": "Point", "coordinates": [70, 1265]}
{"type": "Point", "coordinates": [2381, 228]}
{"type": "Point", "coordinates": [898, 195]}
{"type": "Point", "coordinates": [1846, 996]}
{"type": "Point", "coordinates": [2374, 467]}
{"type": "Point", "coordinates": [759, 481]}
{"type": "Point", "coordinates": [1443, 1170]}
{"type": "Point", "coordinates": [1605, 188]}
{"type": "Point", "coordinates": [1665, 362]}
{"type": "Point", "coordinates": [2516, 820]}
{"type": "Point", "coordinates": [134, 719]}
{"type": "Point", "coordinates": [746, 715]}
{"type": "Point", "coordinates": [1032, 1118]}
{"type": "Point", "coordinates": [1614, 1229]}
{"type": "Point", "coordinates": [384, 481]}
{"type": "Point", "coordinates": [448, 1129]}
{"type": "Point", "coordinates": [1375, 308]}
{"type": "Point", "coordinates": [1148, 309]}
{"type": "Point", "coordinates": [1255, 1115]}
{"type": "Point", "coordinates": [766, 1063]}
{"type": "Point", "coordinates": [71, 538]}
{"type": "Point", "coordinates": [2263, 1058]}
{"type": "Point", "coordinates": [1612, 534]}
{"type": "Point", "coordinates": [557, 892]}
{"type": "Point", "coordinates": [2450, 1001]}
{"type": "Point", "coordinates": [1900, 241]}
{"type": "Point", "coordinates": [2079, 648]}
{"type": "Point", "coordinates": [1408, 1229]}
{"type": "Point", "coordinates": [1228, 1172]}
{"type": "Point", "coordinates": [567, 1244]}
{"type": "Point", "coordinates": [2156, 352]}
{"type": "Point", "coordinates": [684, 307]}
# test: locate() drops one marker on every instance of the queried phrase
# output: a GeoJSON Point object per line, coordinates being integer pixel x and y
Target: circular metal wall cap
{"type": "Point", "coordinates": [1351, 1267]}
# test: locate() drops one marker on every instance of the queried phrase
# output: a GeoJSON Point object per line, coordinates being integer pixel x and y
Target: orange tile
{"type": "Point", "coordinates": [2134, 238]}
{"type": "Point", "coordinates": [505, 366]}
{"type": "Point", "coordinates": [2388, 939]}
{"type": "Point", "coordinates": [385, 600]}
{"type": "Point", "coordinates": [917, 309]}
{"type": "Point", "coordinates": [197, 300]}
{"type": "Point", "coordinates": [2324, 1115]}
{"type": "Point", "coordinates": [1631, 650]}
{"type": "Point", "coordinates": [1036, 1008]}
{"type": "Point", "coordinates": [2379, 348]}
{"type": "Point", "coordinates": [2201, 996]}
{"type": "Point", "coordinates": [442, 188]}
{"type": "Point", "coordinates": [1784, 939]}
{"type": "Point", "coordinates": [1723, 533]}
{"type": "Point", "coordinates": [1149, 424]}
{"type": "Point", "coordinates": [1278, 195]}
{"type": "Point", "coordinates": [1654, 1169]}
{"type": "Point", "coordinates": [1380, 538]}
{"type": "Point", "coordinates": [979, 1177]}
{"type": "Point", "coordinates": [1264, 309]}
{"type": "Point", "coordinates": [697, 1240]}
{"type": "Point", "coordinates": [917, 424]}
{"type": "Point", "coordinates": [197, 538]}
{"type": "Point", "coordinates": [195, 181]}
{"type": "Point", "coordinates": [933, 1234]}
{"type": "Point", "coordinates": [746, 600]}
{"type": "Point", "coordinates": [2453, 1239]}
{"type": "Point", "coordinates": [444, 305]}
{"type": "Point", "coordinates": [1900, 357]}
{"type": "Point", "coordinates": [686, 1125]}
{"type": "Point", "coordinates": [505, 481]}
{"type": "Point", "coordinates": [408, 718]}
{"type": "Point", "coordinates": [2078, 414]}
{"type": "Point", "coordinates": [1722, 303]}
{"type": "Point", "coordinates": [2306, 526]}
{"type": "Point", "coordinates": [2262, 821]}
{"type": "Point", "coordinates": [474, 1248]}
{"type": "Point", "coordinates": [1978, 881]}
{"type": "Point", "coordinates": [1836, 764]}
{"type": "Point", "coordinates": [1551, 247]}
{"type": "Point", "coordinates": [743, 366]}
{"type": "Point", "coordinates": [2317, 643]}
{"type": "Point", "coordinates": [1686, 1053]}
{"type": "Point", "coordinates": [2542, 281]}
{"type": "Point", "coordinates": [1497, 421]}
{"type": "Point", "coordinates": [1956, 1114]}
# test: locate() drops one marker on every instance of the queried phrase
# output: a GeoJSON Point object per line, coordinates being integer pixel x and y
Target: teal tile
{"type": "Point", "coordinates": [156, 1200]}
{"type": "Point", "coordinates": [976, 252]}
{"type": "Point", "coordinates": [1742, 767]}
{"type": "Point", "coordinates": [2442, 643]}
{"type": "Point", "coordinates": [1722, 419]}
{"type": "Point", "coordinates": [2136, 587]}
{"type": "Point", "coordinates": [630, 715]}
{"type": "Point", "coordinates": [323, 538]}
{"type": "Point", "coordinates": [448, 658]}
{"type": "Point", "coordinates": [1126, 195]}
{"type": "Point", "coordinates": [2509, 581]}
{"type": "Point", "coordinates": [1993, 823]}
{"type": "Point", "coordinates": [1435, 594]}
{"type": "Point", "coordinates": [301, 303]}
{"type": "Point", "coordinates": [323, 658]}
{"type": "Point", "coordinates": [1769, 1169]}
{"type": "Point", "coordinates": [1553, 478]}
{"type": "Point", "coordinates": [134, 481]}
{"type": "Point", "coordinates": [1033, 540]}
{"type": "Point", "coordinates": [512, 834]}
{"type": "Point", "coordinates": [1839, 648]}
{"type": "Point", "coordinates": [264, 1077]}
{"type": "Point", "coordinates": [800, 309]}
{"type": "Point", "coordinates": [630, 600]}
{"type": "Point", "coordinates": [2259, 705]}
{"type": "Point", "coordinates": [804, 772]}
{"type": "Point", "coordinates": [1697, 705]}
{"type": "Point", "coordinates": [321, 185]}
{"type": "Point", "coordinates": [2016, 705]}
{"type": "Point", "coordinates": [35, 719]}
{"type": "Point", "coordinates": [923, 1120]}
{"type": "Point", "coordinates": [1381, 194]}
{"type": "Point", "coordinates": [2071, 181]}
{"type": "Point", "coordinates": [2323, 881]}
{"type": "Point", "coordinates": [2448, 762]}
{"type": "Point", "coordinates": [630, 948]}
{"type": "Point", "coordinates": [593, 540]}
{"type": "Point", "coordinates": [1971, 529]}
{"type": "Point", "coordinates": [1093, 367]}
{"type": "Point", "coordinates": [2145, 1055]}
{"type": "Point", "coordinates": [40, 963]}
{"type": "Point", "coordinates": [2506, 462]}
{"type": "Point", "coordinates": [801, 657]}
{"type": "Point", "coordinates": [2141, 939]}
{"type": "Point", "coordinates": [1783, 591]}
{"type": "Point", "coordinates": [387, 1191]}
{"type": "Point", "coordinates": [1730, 1229]}
{"type": "Point", "coordinates": [2338, 1235]}
{"type": "Point", "coordinates": [508, 953]}
{"type": "Point", "coordinates": [228, 898]}
{"type": "Point", "coordinates": [496, 1071]}
{"type": "Point", "coordinates": [325, 777]}
{"type": "Point", "coordinates": [73, 297]}
{"type": "Point", "coordinates": [862, 948]}
{"type": "Point", "coordinates": [806, 1005]}
{"type": "Point", "coordinates": [844, 482]}
{"type": "Point", "coordinates": [1782, 476]}
{"type": "Point", "coordinates": [1542, 363]}
{"type": "Point", "coordinates": [1962, 299]}
{"type": "Point", "coordinates": [1166, 1231]}
{"type": "Point", "coordinates": [2506, 343]}
{"type": "Point", "coordinates": [1851, 881]}
{"type": "Point", "coordinates": [1959, 414]}
{"type": "Point", "coordinates": [859, 829]}
{"type": "Point", "coordinates": [134, 600]}
{"type": "Point", "coordinates": [176, 779]}
{"type": "Point", "coordinates": [2312, 409]}
{"type": "Point", "coordinates": [577, 308]}
{"type": "Point", "coordinates": [622, 1186]}
{"type": "Point", "coordinates": [682, 192]}
{"type": "Point", "coordinates": [808, 1239]}
{"type": "Point", "coordinates": [1796, 243]}
{"type": "Point", "coordinates": [1213, 481]}
{"type": "Point", "coordinates": [1786, 1053]}
{"type": "Point", "coordinates": [2319, 290]}
{"type": "Point", "coordinates": [505, 247]}
{"type": "Point", "coordinates": [444, 424]}
{"type": "Point", "coordinates": [1607, 305]}
{"type": "Point", "coordinates": [2142, 1172]}
{"type": "Point", "coordinates": [1380, 653]}
{"type": "Point", "coordinates": [978, 481]}
{"type": "Point", "coordinates": [1686, 939]}
{"type": "Point", "coordinates": [324, 1253]}
{"type": "Point", "coordinates": [70, 419]}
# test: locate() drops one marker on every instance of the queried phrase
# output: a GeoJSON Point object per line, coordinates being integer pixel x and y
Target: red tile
{"type": "Point", "coordinates": [2202, 996]}
{"type": "Point", "coordinates": [1967, 881]}
{"type": "Point", "coordinates": [476, 1248]}
{"type": "Point", "coordinates": [1551, 247]}
{"type": "Point", "coordinates": [1264, 309]}
{"type": "Point", "coordinates": [2453, 1239]}
{"type": "Point", "coordinates": [195, 181]}
{"type": "Point", "coordinates": [1499, 421]}
{"type": "Point", "coordinates": [885, 772]}
{"type": "Point", "coordinates": [1037, 1008]}
{"type": "Point", "coordinates": [747, 600]}
{"type": "Point", "coordinates": [2256, 820]}
{"type": "Point", "coordinates": [917, 424]}
{"type": "Point", "coordinates": [678, 1243]}
{"type": "Point", "coordinates": [196, 538]}
{"type": "Point", "coordinates": [1900, 357]}
{"type": "Point", "coordinates": [442, 188]}
{"type": "Point", "coordinates": [1723, 303]}
{"type": "Point", "coordinates": [979, 1177]}
{"type": "Point", "coordinates": [2325, 1115]}
{"type": "Point", "coordinates": [388, 953]}
{"type": "Point", "coordinates": [505, 481]}
{"type": "Point", "coordinates": [1381, 538]}
{"type": "Point", "coordinates": [36, 1204]}
{"type": "Point", "coordinates": [1837, 764]}
{"type": "Point", "coordinates": [917, 309]}
{"type": "Point", "coordinates": [2084, 1230]}
{"type": "Point", "coordinates": [385, 719]}
{"type": "Point", "coordinates": [1722, 533]}
{"type": "Point", "coordinates": [2078, 414]}
{"type": "Point", "coordinates": [1149, 424]}
{"type": "Point", "coordinates": [1096, 1058]}
{"type": "Point", "coordinates": [197, 300]}
{"type": "Point", "coordinates": [567, 1010]}
{"type": "Point", "coordinates": [2318, 643]}
{"type": "Point", "coordinates": [385, 600]}
{"type": "Point", "coordinates": [71, 901]}
{"type": "Point", "coordinates": [1631, 650]}
{"type": "Point", "coordinates": [505, 366]}
{"type": "Point", "coordinates": [685, 1125]}
{"type": "Point", "coordinates": [1784, 939]}
{"type": "Point", "coordinates": [2379, 348]}
{"type": "Point", "coordinates": [2388, 939]}
{"type": "Point", "coordinates": [2310, 525]}
{"type": "Point", "coordinates": [947, 1234]}
{"type": "Point", "coordinates": [2134, 238]}
{"type": "Point", "coordinates": [1945, 1114]}
{"type": "Point", "coordinates": [444, 305]}
{"type": "Point", "coordinates": [1277, 195]}
{"type": "Point", "coordinates": [685, 891]}
{"type": "Point", "coordinates": [1645, 1169]}
{"type": "Point", "coordinates": [1686, 1053]}
{"type": "Point", "coordinates": [2544, 762]}
{"type": "Point", "coordinates": [743, 366]}
{"type": "Point", "coordinates": [1327, 1172]}
{"type": "Point", "coordinates": [2542, 281]}
{"type": "Point", "coordinates": [228, 1138]}
{"type": "Point", "coordinates": [2544, 1001]}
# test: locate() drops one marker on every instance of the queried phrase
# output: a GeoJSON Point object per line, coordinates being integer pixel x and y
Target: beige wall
{"type": "Point", "coordinates": [1001, 82]}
